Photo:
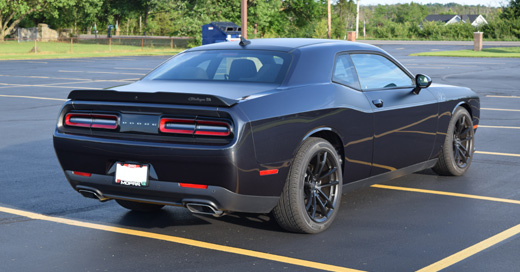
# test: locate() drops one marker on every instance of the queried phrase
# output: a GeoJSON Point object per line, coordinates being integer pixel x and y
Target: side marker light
{"type": "Point", "coordinates": [269, 172]}
{"type": "Point", "coordinates": [195, 186]}
{"type": "Point", "coordinates": [83, 174]}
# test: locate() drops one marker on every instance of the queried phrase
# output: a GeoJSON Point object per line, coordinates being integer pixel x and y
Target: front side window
{"type": "Point", "coordinates": [225, 65]}
{"type": "Point", "coordinates": [378, 72]}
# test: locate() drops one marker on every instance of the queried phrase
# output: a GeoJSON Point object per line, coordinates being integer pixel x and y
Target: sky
{"type": "Point", "coordinates": [492, 3]}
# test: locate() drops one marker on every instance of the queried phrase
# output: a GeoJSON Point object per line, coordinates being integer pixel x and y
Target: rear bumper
{"type": "Point", "coordinates": [171, 193]}
{"type": "Point", "coordinates": [227, 165]}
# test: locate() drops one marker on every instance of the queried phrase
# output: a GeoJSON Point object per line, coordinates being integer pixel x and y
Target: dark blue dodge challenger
{"type": "Point", "coordinates": [268, 125]}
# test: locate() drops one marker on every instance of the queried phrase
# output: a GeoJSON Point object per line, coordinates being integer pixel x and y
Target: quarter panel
{"type": "Point", "coordinates": [291, 114]}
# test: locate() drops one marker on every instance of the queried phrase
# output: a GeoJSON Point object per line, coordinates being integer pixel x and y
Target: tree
{"type": "Point", "coordinates": [512, 11]}
{"type": "Point", "coordinates": [264, 14]}
{"type": "Point", "coordinates": [79, 16]}
{"type": "Point", "coordinates": [412, 12]}
{"type": "Point", "coordinates": [12, 12]}
{"type": "Point", "coordinates": [149, 8]}
{"type": "Point", "coordinates": [345, 17]}
{"type": "Point", "coordinates": [196, 13]}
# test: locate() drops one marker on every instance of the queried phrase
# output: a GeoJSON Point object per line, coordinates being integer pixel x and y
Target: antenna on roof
{"type": "Point", "coordinates": [243, 41]}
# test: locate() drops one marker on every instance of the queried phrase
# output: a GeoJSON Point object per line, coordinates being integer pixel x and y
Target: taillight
{"type": "Point", "coordinates": [194, 127]}
{"type": "Point", "coordinates": [78, 120]}
{"type": "Point", "coordinates": [104, 121]}
{"type": "Point", "coordinates": [212, 128]}
{"type": "Point", "coordinates": [177, 126]}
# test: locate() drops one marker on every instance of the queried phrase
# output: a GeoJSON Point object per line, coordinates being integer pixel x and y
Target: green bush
{"type": "Point", "coordinates": [498, 29]}
{"type": "Point", "coordinates": [432, 31]}
{"type": "Point", "coordinates": [459, 32]}
{"type": "Point", "coordinates": [502, 29]}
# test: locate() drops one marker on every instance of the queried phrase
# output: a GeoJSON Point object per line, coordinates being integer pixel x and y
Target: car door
{"type": "Point", "coordinates": [357, 126]}
{"type": "Point", "coordinates": [405, 123]}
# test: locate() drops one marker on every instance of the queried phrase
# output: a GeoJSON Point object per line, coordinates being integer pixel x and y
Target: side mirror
{"type": "Point", "coordinates": [421, 81]}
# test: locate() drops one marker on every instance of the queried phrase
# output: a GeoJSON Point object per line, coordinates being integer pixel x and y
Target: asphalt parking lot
{"type": "Point", "coordinates": [418, 222]}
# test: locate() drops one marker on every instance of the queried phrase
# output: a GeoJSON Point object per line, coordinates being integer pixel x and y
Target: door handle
{"type": "Point", "coordinates": [378, 102]}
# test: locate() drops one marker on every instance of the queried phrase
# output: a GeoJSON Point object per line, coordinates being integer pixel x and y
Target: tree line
{"type": "Point", "coordinates": [266, 18]}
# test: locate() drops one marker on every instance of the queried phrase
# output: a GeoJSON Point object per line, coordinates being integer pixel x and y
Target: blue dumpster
{"type": "Point", "coordinates": [215, 32]}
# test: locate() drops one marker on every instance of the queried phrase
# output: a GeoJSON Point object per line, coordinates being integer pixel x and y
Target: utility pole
{"type": "Point", "coordinates": [243, 12]}
{"type": "Point", "coordinates": [328, 19]}
{"type": "Point", "coordinates": [357, 19]}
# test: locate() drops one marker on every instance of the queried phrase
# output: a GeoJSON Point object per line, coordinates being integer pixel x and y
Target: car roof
{"type": "Point", "coordinates": [287, 45]}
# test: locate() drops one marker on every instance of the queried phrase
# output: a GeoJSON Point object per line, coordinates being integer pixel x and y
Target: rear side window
{"type": "Point", "coordinates": [377, 72]}
{"type": "Point", "coordinates": [344, 72]}
{"type": "Point", "coordinates": [225, 65]}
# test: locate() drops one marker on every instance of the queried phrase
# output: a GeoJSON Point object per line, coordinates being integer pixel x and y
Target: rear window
{"type": "Point", "coordinates": [225, 65]}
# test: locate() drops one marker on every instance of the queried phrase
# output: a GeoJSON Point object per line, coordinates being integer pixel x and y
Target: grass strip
{"type": "Point", "coordinates": [60, 50]}
{"type": "Point", "coordinates": [495, 52]}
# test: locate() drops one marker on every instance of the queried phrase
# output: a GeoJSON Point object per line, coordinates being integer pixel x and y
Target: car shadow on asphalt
{"type": "Point", "coordinates": [175, 216]}
{"type": "Point", "coordinates": [160, 219]}
{"type": "Point", "coordinates": [252, 220]}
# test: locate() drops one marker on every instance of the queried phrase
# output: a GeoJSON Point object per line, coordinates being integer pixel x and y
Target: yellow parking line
{"type": "Point", "coordinates": [398, 188]}
{"type": "Point", "coordinates": [482, 126]}
{"type": "Point", "coordinates": [33, 97]}
{"type": "Point", "coordinates": [492, 109]}
{"type": "Point", "coordinates": [472, 250]}
{"type": "Point", "coordinates": [503, 96]}
{"type": "Point", "coordinates": [179, 240]}
{"type": "Point", "coordinates": [497, 153]}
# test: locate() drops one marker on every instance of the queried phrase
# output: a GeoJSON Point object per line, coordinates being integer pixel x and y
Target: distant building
{"type": "Point", "coordinates": [474, 19]}
{"type": "Point", "coordinates": [446, 19]}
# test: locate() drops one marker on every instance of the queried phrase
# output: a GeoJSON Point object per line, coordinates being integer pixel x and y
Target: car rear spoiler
{"type": "Point", "coordinates": [148, 97]}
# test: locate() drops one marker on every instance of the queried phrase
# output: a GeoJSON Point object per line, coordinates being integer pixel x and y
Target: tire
{"type": "Point", "coordinates": [457, 152]}
{"type": "Point", "coordinates": [139, 206]}
{"type": "Point", "coordinates": [312, 193]}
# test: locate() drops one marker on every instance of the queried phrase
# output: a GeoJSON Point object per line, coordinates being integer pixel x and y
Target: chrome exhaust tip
{"type": "Point", "coordinates": [202, 208]}
{"type": "Point", "coordinates": [93, 194]}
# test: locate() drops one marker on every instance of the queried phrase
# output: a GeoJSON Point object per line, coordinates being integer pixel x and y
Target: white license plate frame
{"type": "Point", "coordinates": [132, 174]}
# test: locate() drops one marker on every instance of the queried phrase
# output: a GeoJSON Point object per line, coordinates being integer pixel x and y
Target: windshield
{"type": "Point", "coordinates": [225, 65]}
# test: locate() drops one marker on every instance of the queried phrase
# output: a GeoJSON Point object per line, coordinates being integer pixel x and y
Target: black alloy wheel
{"type": "Point", "coordinates": [321, 187]}
{"type": "Point", "coordinates": [457, 152]}
{"type": "Point", "coordinates": [463, 141]}
{"type": "Point", "coordinates": [312, 193]}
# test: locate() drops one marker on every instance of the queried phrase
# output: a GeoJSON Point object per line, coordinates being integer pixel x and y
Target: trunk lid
{"type": "Point", "coordinates": [217, 94]}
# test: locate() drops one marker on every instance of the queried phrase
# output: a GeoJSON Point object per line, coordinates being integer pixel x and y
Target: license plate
{"type": "Point", "coordinates": [132, 174]}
